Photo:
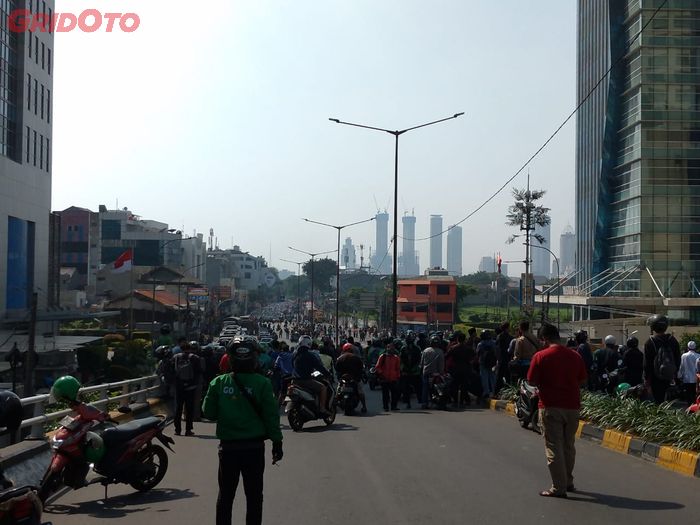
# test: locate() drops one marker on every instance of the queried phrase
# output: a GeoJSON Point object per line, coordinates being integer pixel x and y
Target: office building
{"type": "Point", "coordinates": [381, 259]}
{"type": "Point", "coordinates": [541, 258]}
{"type": "Point", "coordinates": [26, 141]}
{"type": "Point", "coordinates": [408, 261]}
{"type": "Point", "coordinates": [80, 246]}
{"type": "Point", "coordinates": [567, 251]}
{"type": "Point", "coordinates": [454, 251]}
{"type": "Point", "coordinates": [348, 258]}
{"type": "Point", "coordinates": [436, 241]}
{"type": "Point", "coordinates": [637, 144]}
{"type": "Point", "coordinates": [487, 264]}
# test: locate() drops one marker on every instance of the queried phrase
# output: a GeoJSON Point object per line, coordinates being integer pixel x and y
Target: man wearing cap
{"type": "Point", "coordinates": [687, 373]}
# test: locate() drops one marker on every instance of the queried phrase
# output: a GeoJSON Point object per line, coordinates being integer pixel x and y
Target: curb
{"type": "Point", "coordinates": [680, 461]}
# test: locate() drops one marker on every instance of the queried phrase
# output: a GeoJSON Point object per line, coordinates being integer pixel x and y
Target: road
{"type": "Point", "coordinates": [403, 467]}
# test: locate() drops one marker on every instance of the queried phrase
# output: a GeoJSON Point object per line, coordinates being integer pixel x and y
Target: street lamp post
{"type": "Point", "coordinates": [396, 134]}
{"type": "Point", "coordinates": [337, 270]}
{"type": "Point", "coordinates": [313, 256]}
{"type": "Point", "coordinates": [556, 260]}
{"type": "Point", "coordinates": [298, 287]}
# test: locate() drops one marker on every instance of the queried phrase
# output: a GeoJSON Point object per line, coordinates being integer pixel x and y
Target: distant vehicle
{"type": "Point", "coordinates": [266, 340]}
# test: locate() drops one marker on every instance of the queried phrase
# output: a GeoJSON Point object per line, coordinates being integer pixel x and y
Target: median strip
{"type": "Point", "coordinates": [680, 461]}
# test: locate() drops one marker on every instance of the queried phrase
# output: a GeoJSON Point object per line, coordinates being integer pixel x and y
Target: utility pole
{"type": "Point", "coordinates": [30, 363]}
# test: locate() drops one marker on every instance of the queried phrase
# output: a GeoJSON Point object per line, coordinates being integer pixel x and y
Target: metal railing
{"type": "Point", "coordinates": [39, 418]}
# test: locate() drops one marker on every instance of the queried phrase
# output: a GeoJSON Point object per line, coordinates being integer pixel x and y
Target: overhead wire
{"type": "Point", "coordinates": [551, 137]}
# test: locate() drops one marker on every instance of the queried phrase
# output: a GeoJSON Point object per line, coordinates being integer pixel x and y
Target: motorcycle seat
{"type": "Point", "coordinates": [130, 430]}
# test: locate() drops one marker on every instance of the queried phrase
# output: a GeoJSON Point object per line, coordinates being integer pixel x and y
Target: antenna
{"type": "Point", "coordinates": [375, 202]}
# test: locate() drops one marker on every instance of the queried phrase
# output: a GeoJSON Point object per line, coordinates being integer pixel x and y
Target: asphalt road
{"type": "Point", "coordinates": [475, 466]}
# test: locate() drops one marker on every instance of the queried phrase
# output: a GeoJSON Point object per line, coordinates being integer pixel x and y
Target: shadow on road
{"type": "Point", "coordinates": [121, 506]}
{"type": "Point", "coordinates": [621, 502]}
{"type": "Point", "coordinates": [335, 427]}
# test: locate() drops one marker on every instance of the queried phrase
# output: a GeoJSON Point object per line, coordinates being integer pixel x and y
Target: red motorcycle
{"type": "Point", "coordinates": [119, 454]}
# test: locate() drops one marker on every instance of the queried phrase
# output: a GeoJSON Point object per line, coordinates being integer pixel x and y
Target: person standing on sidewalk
{"type": "Point", "coordinates": [688, 372]}
{"type": "Point", "coordinates": [558, 372]}
{"type": "Point", "coordinates": [246, 414]}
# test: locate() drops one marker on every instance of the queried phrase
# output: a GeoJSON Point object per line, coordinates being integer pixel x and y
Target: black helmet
{"type": "Point", "coordinates": [658, 323]}
{"type": "Point", "coordinates": [632, 342]}
{"type": "Point", "coordinates": [165, 329]}
{"type": "Point", "coordinates": [435, 341]}
{"type": "Point", "coordinates": [162, 352]}
{"type": "Point", "coordinates": [581, 336]}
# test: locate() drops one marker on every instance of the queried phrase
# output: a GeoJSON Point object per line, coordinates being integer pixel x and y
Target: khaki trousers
{"type": "Point", "coordinates": [559, 426]}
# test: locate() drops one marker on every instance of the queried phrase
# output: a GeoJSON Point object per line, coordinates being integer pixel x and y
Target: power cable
{"type": "Point", "coordinates": [551, 137]}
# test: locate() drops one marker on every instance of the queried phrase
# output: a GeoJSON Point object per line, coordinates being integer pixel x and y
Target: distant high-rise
{"type": "Point", "coordinates": [541, 265]}
{"type": "Point", "coordinates": [347, 255]}
{"type": "Point", "coordinates": [408, 260]}
{"type": "Point", "coordinates": [436, 241]}
{"type": "Point", "coordinates": [454, 251]}
{"type": "Point", "coordinates": [567, 251]}
{"type": "Point", "coordinates": [488, 265]}
{"type": "Point", "coordinates": [381, 259]}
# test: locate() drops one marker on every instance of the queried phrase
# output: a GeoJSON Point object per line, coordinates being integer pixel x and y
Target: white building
{"type": "Point", "coordinates": [348, 258]}
{"type": "Point", "coordinates": [408, 260]}
{"type": "Point", "coordinates": [26, 140]}
{"type": "Point", "coordinates": [488, 265]}
{"type": "Point", "coordinates": [436, 241]}
{"type": "Point", "coordinates": [194, 256]}
{"type": "Point", "coordinates": [454, 251]}
{"type": "Point", "coordinates": [381, 259]}
{"type": "Point", "coordinates": [541, 258]}
{"type": "Point", "coordinates": [567, 251]}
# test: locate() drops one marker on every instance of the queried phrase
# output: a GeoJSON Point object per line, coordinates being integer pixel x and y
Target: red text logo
{"type": "Point", "coordinates": [89, 21]}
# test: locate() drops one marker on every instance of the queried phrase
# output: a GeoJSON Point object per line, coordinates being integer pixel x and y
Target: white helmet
{"type": "Point", "coordinates": [610, 340]}
{"type": "Point", "coordinates": [304, 340]}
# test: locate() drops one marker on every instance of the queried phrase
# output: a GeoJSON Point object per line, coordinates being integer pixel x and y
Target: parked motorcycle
{"type": "Point", "coordinates": [440, 390]}
{"type": "Point", "coordinates": [302, 406]}
{"type": "Point", "coordinates": [526, 405]}
{"type": "Point", "coordinates": [20, 506]}
{"type": "Point", "coordinates": [119, 454]}
{"type": "Point", "coordinates": [347, 397]}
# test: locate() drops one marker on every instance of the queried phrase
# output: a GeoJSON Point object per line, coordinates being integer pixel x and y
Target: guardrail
{"type": "Point", "coordinates": [39, 418]}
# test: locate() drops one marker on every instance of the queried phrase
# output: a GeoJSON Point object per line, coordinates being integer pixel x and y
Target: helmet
{"type": "Point", "coordinates": [243, 353]}
{"type": "Point", "coordinates": [581, 336]}
{"type": "Point", "coordinates": [165, 329]}
{"type": "Point", "coordinates": [304, 341]}
{"type": "Point", "coordinates": [161, 352]}
{"type": "Point", "coordinates": [11, 412]}
{"type": "Point", "coordinates": [65, 389]}
{"type": "Point", "coordinates": [658, 323]}
{"type": "Point", "coordinates": [632, 342]}
{"type": "Point", "coordinates": [348, 347]}
{"type": "Point", "coordinates": [622, 387]}
{"type": "Point", "coordinates": [398, 344]}
{"type": "Point", "coordinates": [435, 341]}
{"type": "Point", "coordinates": [610, 340]}
{"type": "Point", "coordinates": [94, 447]}
{"type": "Point", "coordinates": [410, 335]}
{"type": "Point", "coordinates": [194, 346]}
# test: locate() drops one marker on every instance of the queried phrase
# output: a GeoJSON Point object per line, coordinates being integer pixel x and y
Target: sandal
{"type": "Point", "coordinates": [552, 494]}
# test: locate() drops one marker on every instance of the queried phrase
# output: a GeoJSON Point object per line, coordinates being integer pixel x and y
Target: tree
{"type": "Point", "coordinates": [464, 291]}
{"type": "Point", "coordinates": [324, 270]}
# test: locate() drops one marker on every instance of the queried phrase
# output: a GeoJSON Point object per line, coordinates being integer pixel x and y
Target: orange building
{"type": "Point", "coordinates": [429, 302]}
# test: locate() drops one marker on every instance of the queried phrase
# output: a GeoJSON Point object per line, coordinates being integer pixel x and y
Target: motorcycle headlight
{"type": "Point", "coordinates": [56, 443]}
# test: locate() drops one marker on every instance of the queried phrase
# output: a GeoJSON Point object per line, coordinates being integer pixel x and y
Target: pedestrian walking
{"type": "Point", "coordinates": [187, 374]}
{"type": "Point", "coordinates": [558, 372]}
{"type": "Point", "coordinates": [688, 372]}
{"type": "Point", "coordinates": [486, 352]}
{"type": "Point", "coordinates": [432, 361]}
{"type": "Point", "coordinates": [389, 371]}
{"type": "Point", "coordinates": [246, 414]}
{"type": "Point", "coordinates": [503, 343]}
{"type": "Point", "coordinates": [662, 358]}
{"type": "Point", "coordinates": [409, 356]}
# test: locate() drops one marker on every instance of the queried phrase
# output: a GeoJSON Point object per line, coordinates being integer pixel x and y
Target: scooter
{"type": "Point", "coordinates": [526, 405]}
{"type": "Point", "coordinates": [302, 406]}
{"type": "Point", "coordinates": [130, 456]}
{"type": "Point", "coordinates": [347, 397]}
{"type": "Point", "coordinates": [20, 506]}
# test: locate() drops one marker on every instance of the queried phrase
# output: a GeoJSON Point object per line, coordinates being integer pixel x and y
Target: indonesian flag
{"type": "Point", "coordinates": [124, 262]}
{"type": "Point", "coordinates": [499, 261]}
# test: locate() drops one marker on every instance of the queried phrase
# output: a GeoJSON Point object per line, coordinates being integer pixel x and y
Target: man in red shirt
{"type": "Point", "coordinates": [558, 372]}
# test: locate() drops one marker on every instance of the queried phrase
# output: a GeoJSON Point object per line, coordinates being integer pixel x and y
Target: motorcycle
{"type": "Point", "coordinates": [440, 390]}
{"type": "Point", "coordinates": [302, 406]}
{"type": "Point", "coordinates": [20, 506]}
{"type": "Point", "coordinates": [129, 456]}
{"type": "Point", "coordinates": [526, 405]}
{"type": "Point", "coordinates": [347, 397]}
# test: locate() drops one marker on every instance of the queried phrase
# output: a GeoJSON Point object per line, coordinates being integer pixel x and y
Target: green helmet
{"type": "Point", "coordinates": [65, 389]}
{"type": "Point", "coordinates": [94, 447]}
{"type": "Point", "coordinates": [622, 387]}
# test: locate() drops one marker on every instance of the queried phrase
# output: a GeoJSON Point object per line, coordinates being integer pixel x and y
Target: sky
{"type": "Point", "coordinates": [217, 117]}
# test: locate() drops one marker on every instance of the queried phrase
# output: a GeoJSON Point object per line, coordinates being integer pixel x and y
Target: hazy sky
{"type": "Point", "coordinates": [215, 115]}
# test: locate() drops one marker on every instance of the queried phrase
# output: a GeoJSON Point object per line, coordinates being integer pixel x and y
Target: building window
{"type": "Point", "coordinates": [30, 46]}
{"type": "Point", "coordinates": [421, 289]}
{"type": "Point", "coordinates": [42, 102]}
{"type": "Point", "coordinates": [246, 275]}
{"type": "Point", "coordinates": [43, 56]}
{"type": "Point", "coordinates": [48, 105]}
{"type": "Point", "coordinates": [50, 29]}
{"type": "Point", "coordinates": [443, 308]}
{"type": "Point", "coordinates": [48, 60]}
{"type": "Point", "coordinates": [20, 263]}
{"type": "Point", "coordinates": [41, 152]}
{"type": "Point", "coordinates": [111, 230]}
{"type": "Point", "coordinates": [407, 308]}
{"type": "Point", "coordinates": [443, 289]}
{"type": "Point", "coordinates": [421, 308]}
{"type": "Point", "coordinates": [29, 91]}
{"type": "Point", "coordinates": [36, 95]}
{"type": "Point", "coordinates": [34, 142]}
{"type": "Point", "coordinates": [36, 48]}
{"type": "Point", "coordinates": [28, 139]}
{"type": "Point", "coordinates": [48, 155]}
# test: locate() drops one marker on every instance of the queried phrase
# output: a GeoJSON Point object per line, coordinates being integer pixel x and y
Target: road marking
{"type": "Point", "coordinates": [617, 441]}
{"type": "Point", "coordinates": [678, 460]}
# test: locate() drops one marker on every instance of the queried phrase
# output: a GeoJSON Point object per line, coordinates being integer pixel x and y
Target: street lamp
{"type": "Point", "coordinates": [298, 287]}
{"type": "Point", "coordinates": [396, 134]}
{"type": "Point", "coordinates": [556, 260]}
{"type": "Point", "coordinates": [337, 270]}
{"type": "Point", "coordinates": [313, 256]}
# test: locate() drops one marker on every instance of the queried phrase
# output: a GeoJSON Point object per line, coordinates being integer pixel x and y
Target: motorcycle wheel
{"type": "Point", "coordinates": [328, 420]}
{"type": "Point", "coordinates": [153, 456]}
{"type": "Point", "coordinates": [295, 420]}
{"type": "Point", "coordinates": [49, 485]}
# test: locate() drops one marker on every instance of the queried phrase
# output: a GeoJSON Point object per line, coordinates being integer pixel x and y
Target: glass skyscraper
{"type": "Point", "coordinates": [638, 148]}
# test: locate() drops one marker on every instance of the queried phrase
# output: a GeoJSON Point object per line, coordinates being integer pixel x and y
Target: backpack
{"type": "Point", "coordinates": [184, 371]}
{"type": "Point", "coordinates": [664, 362]}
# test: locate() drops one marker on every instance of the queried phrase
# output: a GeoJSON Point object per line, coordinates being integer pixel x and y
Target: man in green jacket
{"type": "Point", "coordinates": [246, 414]}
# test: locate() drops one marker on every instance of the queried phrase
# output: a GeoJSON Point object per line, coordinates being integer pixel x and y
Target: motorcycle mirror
{"type": "Point", "coordinates": [619, 362]}
{"type": "Point", "coordinates": [124, 410]}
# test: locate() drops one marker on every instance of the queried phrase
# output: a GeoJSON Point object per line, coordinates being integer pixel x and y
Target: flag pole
{"type": "Point", "coordinates": [131, 296]}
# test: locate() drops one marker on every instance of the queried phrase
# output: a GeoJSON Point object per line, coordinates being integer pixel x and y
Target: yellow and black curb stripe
{"type": "Point", "coordinates": [681, 461]}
